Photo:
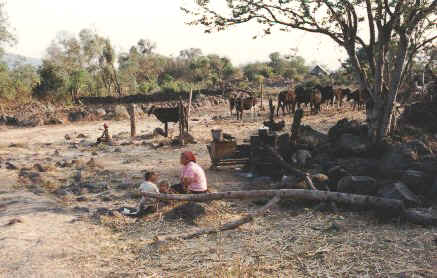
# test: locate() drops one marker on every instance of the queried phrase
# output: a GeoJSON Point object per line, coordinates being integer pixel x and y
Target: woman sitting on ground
{"type": "Point", "coordinates": [193, 178]}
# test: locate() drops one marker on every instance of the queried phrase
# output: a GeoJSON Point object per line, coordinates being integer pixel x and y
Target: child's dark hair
{"type": "Point", "coordinates": [149, 174]}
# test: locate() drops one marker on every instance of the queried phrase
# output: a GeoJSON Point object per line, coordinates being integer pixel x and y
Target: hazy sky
{"type": "Point", "coordinates": [36, 23]}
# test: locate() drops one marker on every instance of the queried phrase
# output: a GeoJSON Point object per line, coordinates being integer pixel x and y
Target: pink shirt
{"type": "Point", "coordinates": [195, 172]}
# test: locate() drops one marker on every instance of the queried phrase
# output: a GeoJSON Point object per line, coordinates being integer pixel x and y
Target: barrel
{"type": "Point", "coordinates": [217, 135]}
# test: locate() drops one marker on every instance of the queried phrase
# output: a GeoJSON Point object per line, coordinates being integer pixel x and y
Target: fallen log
{"type": "Point", "coordinates": [311, 195]}
{"type": "Point", "coordinates": [228, 226]}
{"type": "Point", "coordinates": [387, 206]}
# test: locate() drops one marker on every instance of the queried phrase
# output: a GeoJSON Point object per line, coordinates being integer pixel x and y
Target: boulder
{"type": "Point", "coordinates": [416, 181]}
{"type": "Point", "coordinates": [120, 112]}
{"type": "Point", "coordinates": [345, 126]}
{"type": "Point", "coordinates": [100, 112]}
{"type": "Point", "coordinates": [433, 190]}
{"type": "Point", "coordinates": [320, 181]}
{"type": "Point", "coordinates": [77, 116]}
{"type": "Point", "coordinates": [311, 138]}
{"type": "Point", "coordinates": [357, 185]}
{"type": "Point", "coordinates": [10, 166]}
{"type": "Point", "coordinates": [396, 160]}
{"type": "Point", "coordinates": [399, 191]}
{"type": "Point", "coordinates": [335, 174]}
{"type": "Point", "coordinates": [349, 144]}
{"type": "Point", "coordinates": [301, 158]}
{"type": "Point", "coordinates": [419, 147]}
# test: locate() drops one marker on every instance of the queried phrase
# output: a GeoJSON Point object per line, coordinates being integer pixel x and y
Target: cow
{"type": "Point", "coordinates": [316, 99]}
{"type": "Point", "coordinates": [287, 101]}
{"type": "Point", "coordinates": [327, 94]}
{"type": "Point", "coordinates": [302, 96]}
{"type": "Point", "coordinates": [339, 94]}
{"type": "Point", "coordinates": [244, 103]}
{"type": "Point", "coordinates": [166, 115]}
{"type": "Point", "coordinates": [360, 98]}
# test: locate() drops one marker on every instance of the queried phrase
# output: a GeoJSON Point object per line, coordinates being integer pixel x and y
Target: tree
{"type": "Point", "coordinates": [396, 30]}
{"type": "Point", "coordinates": [6, 36]}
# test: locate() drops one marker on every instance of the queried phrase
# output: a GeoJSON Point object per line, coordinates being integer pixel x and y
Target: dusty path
{"type": "Point", "coordinates": [57, 236]}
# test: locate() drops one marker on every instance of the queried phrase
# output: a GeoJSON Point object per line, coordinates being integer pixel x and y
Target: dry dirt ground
{"type": "Point", "coordinates": [49, 232]}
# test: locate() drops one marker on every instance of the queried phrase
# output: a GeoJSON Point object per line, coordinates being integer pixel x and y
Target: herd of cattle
{"type": "Point", "coordinates": [312, 96]}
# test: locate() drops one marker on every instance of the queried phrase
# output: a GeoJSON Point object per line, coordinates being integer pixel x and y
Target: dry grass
{"type": "Point", "coordinates": [290, 241]}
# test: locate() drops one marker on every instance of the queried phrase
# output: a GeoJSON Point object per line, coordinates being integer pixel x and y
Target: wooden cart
{"type": "Point", "coordinates": [227, 153]}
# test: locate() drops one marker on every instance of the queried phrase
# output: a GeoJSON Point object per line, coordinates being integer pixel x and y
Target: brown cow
{"type": "Point", "coordinates": [339, 94]}
{"type": "Point", "coordinates": [286, 100]}
{"type": "Point", "coordinates": [244, 103]}
{"type": "Point", "coordinates": [316, 101]}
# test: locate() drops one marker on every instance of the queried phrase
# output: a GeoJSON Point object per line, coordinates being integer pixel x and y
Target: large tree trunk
{"type": "Point", "coordinates": [311, 195]}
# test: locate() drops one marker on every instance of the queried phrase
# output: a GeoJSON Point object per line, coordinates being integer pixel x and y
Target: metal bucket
{"type": "Point", "coordinates": [217, 135]}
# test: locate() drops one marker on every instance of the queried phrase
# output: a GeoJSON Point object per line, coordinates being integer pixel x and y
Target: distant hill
{"type": "Point", "coordinates": [11, 59]}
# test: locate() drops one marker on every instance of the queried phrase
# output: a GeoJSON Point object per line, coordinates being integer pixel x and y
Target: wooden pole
{"type": "Point", "coordinates": [133, 126]}
{"type": "Point", "coordinates": [189, 102]}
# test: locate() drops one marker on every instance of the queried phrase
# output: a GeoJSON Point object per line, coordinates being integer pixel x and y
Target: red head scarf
{"type": "Point", "coordinates": [105, 125]}
{"type": "Point", "coordinates": [189, 156]}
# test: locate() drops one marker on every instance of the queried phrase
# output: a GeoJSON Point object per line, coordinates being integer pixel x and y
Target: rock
{"type": "Point", "coordinates": [301, 158]}
{"type": "Point", "coordinates": [158, 131]}
{"type": "Point", "coordinates": [120, 112]}
{"type": "Point", "coordinates": [311, 137]}
{"type": "Point", "coordinates": [345, 126]}
{"type": "Point", "coordinates": [416, 181]}
{"type": "Point", "coordinates": [81, 135]}
{"type": "Point", "coordinates": [349, 144]}
{"type": "Point", "coordinates": [104, 211]}
{"type": "Point", "coordinates": [35, 177]}
{"type": "Point", "coordinates": [357, 185]}
{"type": "Point", "coordinates": [320, 181]}
{"type": "Point", "coordinates": [77, 116]}
{"type": "Point", "coordinates": [433, 190]}
{"type": "Point", "coordinates": [117, 150]}
{"type": "Point", "coordinates": [67, 137]}
{"type": "Point", "coordinates": [396, 160]}
{"type": "Point", "coordinates": [419, 147]}
{"type": "Point", "coordinates": [100, 112]}
{"type": "Point", "coordinates": [399, 191]}
{"type": "Point", "coordinates": [10, 166]}
{"type": "Point", "coordinates": [335, 174]}
{"type": "Point", "coordinates": [81, 199]}
{"type": "Point", "coordinates": [60, 192]}
{"type": "Point", "coordinates": [80, 209]}
{"type": "Point", "coordinates": [39, 167]}
{"type": "Point", "coordinates": [92, 163]}
{"type": "Point", "coordinates": [94, 188]}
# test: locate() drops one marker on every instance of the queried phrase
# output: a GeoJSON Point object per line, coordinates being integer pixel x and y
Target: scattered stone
{"type": "Point", "coordinates": [100, 112]}
{"type": "Point", "coordinates": [416, 181]}
{"type": "Point", "coordinates": [117, 150]}
{"type": "Point", "coordinates": [104, 211]}
{"type": "Point", "coordinates": [94, 188]}
{"type": "Point", "coordinates": [301, 158]}
{"type": "Point", "coordinates": [67, 137]}
{"type": "Point", "coordinates": [394, 161]}
{"type": "Point", "coordinates": [399, 191]}
{"type": "Point", "coordinates": [80, 210]}
{"type": "Point", "coordinates": [320, 181]}
{"type": "Point", "coordinates": [10, 166]}
{"type": "Point", "coordinates": [106, 199]}
{"type": "Point", "coordinates": [343, 126]}
{"type": "Point", "coordinates": [420, 147]}
{"type": "Point", "coordinates": [349, 144]}
{"type": "Point", "coordinates": [94, 153]}
{"type": "Point", "coordinates": [92, 163]}
{"type": "Point", "coordinates": [39, 167]}
{"type": "Point", "coordinates": [357, 185]}
{"type": "Point", "coordinates": [335, 174]}
{"type": "Point", "coordinates": [81, 135]}
{"type": "Point", "coordinates": [311, 138]}
{"type": "Point", "coordinates": [14, 221]}
{"type": "Point", "coordinates": [60, 192]}
{"type": "Point", "coordinates": [76, 116]}
{"type": "Point", "coordinates": [81, 199]}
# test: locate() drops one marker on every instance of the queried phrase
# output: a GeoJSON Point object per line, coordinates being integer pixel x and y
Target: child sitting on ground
{"type": "Point", "coordinates": [147, 204]}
